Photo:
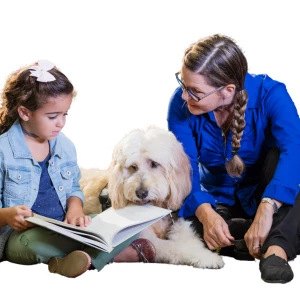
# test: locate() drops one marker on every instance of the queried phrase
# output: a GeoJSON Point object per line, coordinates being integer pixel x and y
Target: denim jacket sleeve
{"type": "Point", "coordinates": [178, 123]}
{"type": "Point", "coordinates": [6, 230]}
{"type": "Point", "coordinates": [70, 152]}
{"type": "Point", "coordinates": [1, 181]}
{"type": "Point", "coordinates": [76, 190]}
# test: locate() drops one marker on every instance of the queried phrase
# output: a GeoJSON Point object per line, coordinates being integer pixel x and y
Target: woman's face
{"type": "Point", "coordinates": [196, 84]}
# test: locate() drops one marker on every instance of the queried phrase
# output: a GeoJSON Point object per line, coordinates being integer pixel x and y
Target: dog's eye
{"type": "Point", "coordinates": [133, 168]}
{"type": "Point", "coordinates": [154, 164]}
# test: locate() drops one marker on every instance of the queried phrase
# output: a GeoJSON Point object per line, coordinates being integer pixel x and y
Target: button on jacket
{"type": "Point", "coordinates": [20, 172]}
{"type": "Point", "coordinates": [271, 120]}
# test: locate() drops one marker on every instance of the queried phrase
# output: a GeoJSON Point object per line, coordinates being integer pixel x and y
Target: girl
{"type": "Point", "coordinates": [39, 174]}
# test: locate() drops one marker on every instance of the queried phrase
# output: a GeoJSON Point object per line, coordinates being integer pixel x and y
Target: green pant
{"type": "Point", "coordinates": [38, 245]}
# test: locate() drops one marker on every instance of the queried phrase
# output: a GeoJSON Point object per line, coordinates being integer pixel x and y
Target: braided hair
{"type": "Point", "coordinates": [222, 62]}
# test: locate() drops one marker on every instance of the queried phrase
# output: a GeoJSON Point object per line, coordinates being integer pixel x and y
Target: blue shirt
{"type": "Point", "coordinates": [271, 120]}
{"type": "Point", "coordinates": [20, 173]}
{"type": "Point", "coordinates": [47, 202]}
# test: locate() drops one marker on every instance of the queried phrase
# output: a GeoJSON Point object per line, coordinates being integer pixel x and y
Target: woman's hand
{"type": "Point", "coordinates": [15, 217]}
{"type": "Point", "coordinates": [216, 232]}
{"type": "Point", "coordinates": [75, 214]}
{"type": "Point", "coordinates": [259, 229]}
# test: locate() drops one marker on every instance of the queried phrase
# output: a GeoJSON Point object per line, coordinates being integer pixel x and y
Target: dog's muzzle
{"type": "Point", "coordinates": [141, 193]}
{"type": "Point", "coordinates": [143, 201]}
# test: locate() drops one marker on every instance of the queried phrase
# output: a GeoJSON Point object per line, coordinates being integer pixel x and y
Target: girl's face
{"type": "Point", "coordinates": [47, 121]}
{"type": "Point", "coordinates": [198, 86]}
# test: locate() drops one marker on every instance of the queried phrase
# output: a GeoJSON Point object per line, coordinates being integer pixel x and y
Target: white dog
{"type": "Point", "coordinates": [151, 166]}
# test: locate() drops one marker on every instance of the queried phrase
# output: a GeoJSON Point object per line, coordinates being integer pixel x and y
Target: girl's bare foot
{"type": "Point", "coordinates": [127, 255]}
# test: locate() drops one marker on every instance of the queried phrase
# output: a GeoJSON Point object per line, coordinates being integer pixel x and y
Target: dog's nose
{"type": "Point", "coordinates": [141, 193]}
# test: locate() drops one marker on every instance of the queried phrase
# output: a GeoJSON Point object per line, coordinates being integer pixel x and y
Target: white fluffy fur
{"type": "Point", "coordinates": [151, 166]}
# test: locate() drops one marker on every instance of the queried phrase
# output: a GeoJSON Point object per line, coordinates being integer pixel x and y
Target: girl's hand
{"type": "Point", "coordinates": [78, 218]}
{"type": "Point", "coordinates": [15, 217]}
{"type": "Point", "coordinates": [216, 232]}
{"type": "Point", "coordinates": [75, 215]}
{"type": "Point", "coordinates": [259, 229]}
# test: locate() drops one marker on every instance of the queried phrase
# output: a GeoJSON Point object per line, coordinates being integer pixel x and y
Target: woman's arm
{"type": "Point", "coordinates": [285, 127]}
{"type": "Point", "coordinates": [178, 123]}
{"type": "Point", "coordinates": [284, 186]}
{"type": "Point", "coordinates": [199, 203]}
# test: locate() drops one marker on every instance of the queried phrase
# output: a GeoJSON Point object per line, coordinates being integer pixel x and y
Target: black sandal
{"type": "Point", "coordinates": [274, 269]}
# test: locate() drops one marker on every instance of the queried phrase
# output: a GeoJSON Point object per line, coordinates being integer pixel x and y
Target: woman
{"type": "Point", "coordinates": [227, 121]}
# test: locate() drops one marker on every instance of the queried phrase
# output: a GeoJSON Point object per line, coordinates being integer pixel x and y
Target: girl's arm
{"type": "Point", "coordinates": [3, 213]}
{"type": "Point", "coordinates": [12, 216]}
{"type": "Point", "coordinates": [75, 215]}
{"type": "Point", "coordinates": [15, 217]}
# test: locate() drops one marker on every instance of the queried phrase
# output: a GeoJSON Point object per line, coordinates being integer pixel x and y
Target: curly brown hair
{"type": "Point", "coordinates": [21, 89]}
{"type": "Point", "coordinates": [222, 62]}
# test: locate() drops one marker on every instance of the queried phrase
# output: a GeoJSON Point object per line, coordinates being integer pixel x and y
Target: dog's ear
{"type": "Point", "coordinates": [179, 178]}
{"type": "Point", "coordinates": [115, 186]}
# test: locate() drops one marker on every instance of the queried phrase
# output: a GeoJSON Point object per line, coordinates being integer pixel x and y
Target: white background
{"type": "Point", "coordinates": [121, 57]}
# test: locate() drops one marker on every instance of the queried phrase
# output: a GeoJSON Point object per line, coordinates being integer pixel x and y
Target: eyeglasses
{"type": "Point", "coordinates": [194, 97]}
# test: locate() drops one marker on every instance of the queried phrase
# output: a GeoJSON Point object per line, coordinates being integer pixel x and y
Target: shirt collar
{"type": "Point", "coordinates": [19, 146]}
{"type": "Point", "coordinates": [254, 86]}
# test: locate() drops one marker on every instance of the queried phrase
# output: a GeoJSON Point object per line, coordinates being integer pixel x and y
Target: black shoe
{"type": "Point", "coordinates": [241, 251]}
{"type": "Point", "coordinates": [238, 228]}
{"type": "Point", "coordinates": [274, 269]}
{"type": "Point", "coordinates": [226, 251]}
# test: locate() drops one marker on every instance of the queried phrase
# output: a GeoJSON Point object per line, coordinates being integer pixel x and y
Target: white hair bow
{"type": "Point", "coordinates": [41, 71]}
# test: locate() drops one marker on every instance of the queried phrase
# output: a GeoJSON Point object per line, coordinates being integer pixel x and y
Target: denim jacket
{"type": "Point", "coordinates": [20, 173]}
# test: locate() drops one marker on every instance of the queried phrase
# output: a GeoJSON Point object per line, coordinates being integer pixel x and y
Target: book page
{"type": "Point", "coordinates": [111, 226]}
{"type": "Point", "coordinates": [73, 228]}
{"type": "Point", "coordinates": [125, 220]}
{"type": "Point", "coordinates": [71, 234]}
{"type": "Point", "coordinates": [122, 235]}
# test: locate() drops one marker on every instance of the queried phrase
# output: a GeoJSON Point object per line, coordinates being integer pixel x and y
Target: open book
{"type": "Point", "coordinates": [109, 228]}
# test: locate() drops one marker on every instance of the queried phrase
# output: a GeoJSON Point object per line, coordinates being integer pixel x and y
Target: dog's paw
{"type": "Point", "coordinates": [211, 261]}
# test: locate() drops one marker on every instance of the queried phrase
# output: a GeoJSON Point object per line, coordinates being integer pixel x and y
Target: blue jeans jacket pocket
{"type": "Point", "coordinates": [16, 185]}
{"type": "Point", "coordinates": [67, 174]}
